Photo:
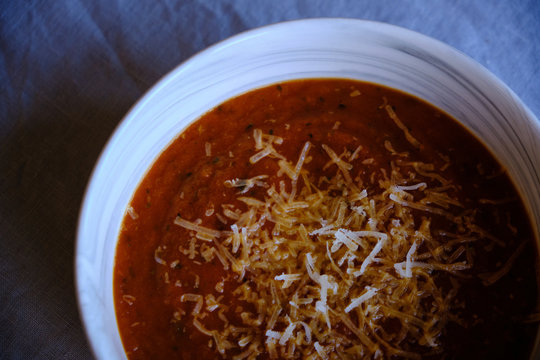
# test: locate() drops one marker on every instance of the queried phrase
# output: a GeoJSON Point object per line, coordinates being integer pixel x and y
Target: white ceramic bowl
{"type": "Point", "coordinates": [354, 49]}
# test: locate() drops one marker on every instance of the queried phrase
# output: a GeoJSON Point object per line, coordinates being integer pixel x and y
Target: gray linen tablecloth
{"type": "Point", "coordinates": [71, 69]}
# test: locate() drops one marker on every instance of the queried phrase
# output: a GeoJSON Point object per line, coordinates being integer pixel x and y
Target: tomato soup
{"type": "Point", "coordinates": [326, 218]}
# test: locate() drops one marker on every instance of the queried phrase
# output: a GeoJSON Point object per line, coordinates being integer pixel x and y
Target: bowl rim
{"type": "Point", "coordinates": [155, 89]}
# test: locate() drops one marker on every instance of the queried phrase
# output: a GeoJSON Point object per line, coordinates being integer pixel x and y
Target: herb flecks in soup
{"type": "Point", "coordinates": [325, 219]}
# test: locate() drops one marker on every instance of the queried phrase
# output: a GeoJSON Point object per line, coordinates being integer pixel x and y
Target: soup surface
{"type": "Point", "coordinates": [329, 219]}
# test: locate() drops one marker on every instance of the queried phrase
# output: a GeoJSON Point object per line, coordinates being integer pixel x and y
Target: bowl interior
{"type": "Point", "coordinates": [335, 48]}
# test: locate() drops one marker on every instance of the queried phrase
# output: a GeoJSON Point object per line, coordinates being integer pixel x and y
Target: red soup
{"type": "Point", "coordinates": [328, 219]}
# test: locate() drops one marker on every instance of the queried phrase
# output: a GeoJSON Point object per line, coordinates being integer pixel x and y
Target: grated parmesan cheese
{"type": "Point", "coordinates": [132, 213]}
{"type": "Point", "coordinates": [328, 254]}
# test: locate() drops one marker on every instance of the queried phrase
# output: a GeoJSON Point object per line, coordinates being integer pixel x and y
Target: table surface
{"type": "Point", "coordinates": [70, 70]}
